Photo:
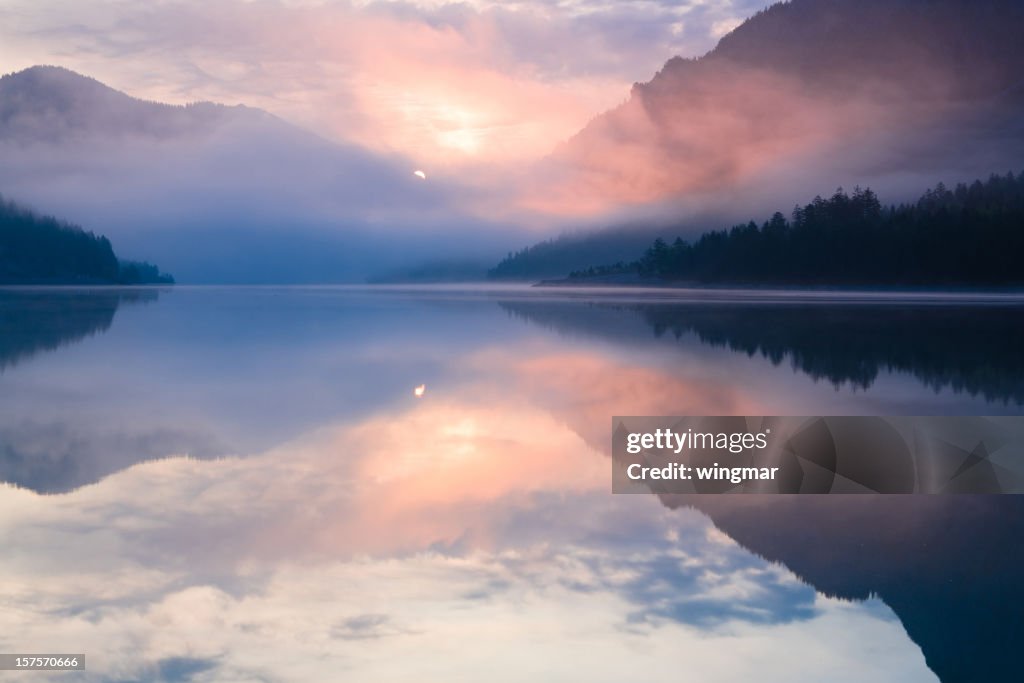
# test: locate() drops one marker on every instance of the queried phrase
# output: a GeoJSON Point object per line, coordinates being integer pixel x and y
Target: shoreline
{"type": "Point", "coordinates": [639, 282]}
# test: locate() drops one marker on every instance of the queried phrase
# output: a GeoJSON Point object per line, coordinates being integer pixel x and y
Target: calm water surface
{"type": "Point", "coordinates": [238, 484]}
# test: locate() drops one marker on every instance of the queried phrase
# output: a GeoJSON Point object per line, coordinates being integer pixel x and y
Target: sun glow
{"type": "Point", "coordinates": [465, 140]}
{"type": "Point", "coordinates": [456, 128]}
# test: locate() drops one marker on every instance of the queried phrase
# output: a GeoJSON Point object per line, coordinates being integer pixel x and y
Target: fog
{"type": "Point", "coordinates": [226, 194]}
{"type": "Point", "coordinates": [803, 98]}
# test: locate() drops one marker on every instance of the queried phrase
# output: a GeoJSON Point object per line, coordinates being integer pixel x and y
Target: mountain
{"type": "Point", "coordinates": [803, 97]}
{"type": "Point", "coordinates": [38, 249]}
{"type": "Point", "coordinates": [808, 95]}
{"type": "Point", "coordinates": [220, 193]}
{"type": "Point", "coordinates": [557, 257]}
{"type": "Point", "coordinates": [52, 104]}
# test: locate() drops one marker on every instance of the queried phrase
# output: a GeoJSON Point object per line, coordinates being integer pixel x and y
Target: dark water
{"type": "Point", "coordinates": [239, 484]}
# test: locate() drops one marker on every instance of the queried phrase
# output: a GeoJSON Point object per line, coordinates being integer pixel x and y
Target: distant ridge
{"type": "Point", "coordinates": [52, 103]}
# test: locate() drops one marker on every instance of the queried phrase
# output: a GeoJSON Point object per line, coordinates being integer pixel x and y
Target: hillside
{"type": "Point", "coordinates": [52, 104]}
{"type": "Point", "coordinates": [802, 97]}
{"type": "Point", "coordinates": [874, 91]}
{"type": "Point", "coordinates": [38, 249]}
{"type": "Point", "coordinates": [268, 201]}
{"type": "Point", "coordinates": [560, 255]}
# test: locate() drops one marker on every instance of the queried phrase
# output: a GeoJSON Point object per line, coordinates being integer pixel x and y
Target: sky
{"type": "Point", "coordinates": [446, 84]}
{"type": "Point", "coordinates": [522, 117]}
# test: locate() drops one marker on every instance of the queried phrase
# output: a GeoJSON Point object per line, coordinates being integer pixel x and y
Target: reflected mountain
{"type": "Point", "coordinates": [209, 372]}
{"type": "Point", "coordinates": [37, 320]}
{"type": "Point", "coordinates": [48, 456]}
{"type": "Point", "coordinates": [949, 566]}
{"type": "Point", "coordinates": [973, 349]}
{"type": "Point", "coordinates": [51, 456]}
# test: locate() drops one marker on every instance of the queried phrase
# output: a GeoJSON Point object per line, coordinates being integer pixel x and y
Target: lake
{"type": "Point", "coordinates": [237, 484]}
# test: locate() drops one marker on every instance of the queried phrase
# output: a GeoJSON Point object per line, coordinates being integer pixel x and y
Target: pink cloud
{"type": "Point", "coordinates": [446, 83]}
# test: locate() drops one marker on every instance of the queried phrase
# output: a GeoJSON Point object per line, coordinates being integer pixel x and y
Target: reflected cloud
{"type": "Point", "coordinates": [191, 376]}
{"type": "Point", "coordinates": [585, 388]}
{"type": "Point", "coordinates": [365, 626]}
{"type": "Point", "coordinates": [208, 357]}
{"type": "Point", "coordinates": [947, 565]}
{"type": "Point", "coordinates": [182, 668]}
{"type": "Point", "coordinates": [290, 564]}
{"type": "Point", "coordinates": [375, 534]}
{"type": "Point", "coordinates": [374, 547]}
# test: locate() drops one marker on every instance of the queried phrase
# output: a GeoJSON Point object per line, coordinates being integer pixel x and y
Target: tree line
{"type": "Point", "coordinates": [37, 249]}
{"type": "Point", "coordinates": [555, 257]}
{"type": "Point", "coordinates": [969, 235]}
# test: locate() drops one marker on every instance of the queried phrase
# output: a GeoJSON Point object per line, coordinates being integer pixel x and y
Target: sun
{"type": "Point", "coordinates": [467, 140]}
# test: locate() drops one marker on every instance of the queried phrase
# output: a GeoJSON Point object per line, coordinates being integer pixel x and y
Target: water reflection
{"type": "Point", "coordinates": [382, 549]}
{"type": "Point", "coordinates": [247, 489]}
{"type": "Point", "coordinates": [949, 566]}
{"type": "Point", "coordinates": [973, 349]}
{"type": "Point", "coordinates": [209, 373]}
{"type": "Point", "coordinates": [212, 372]}
{"type": "Point", "coordinates": [44, 319]}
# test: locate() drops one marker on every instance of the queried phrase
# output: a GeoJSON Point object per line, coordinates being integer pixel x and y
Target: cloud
{"type": "Point", "coordinates": [801, 99]}
{"type": "Point", "coordinates": [264, 200]}
{"type": "Point", "coordinates": [174, 669]}
{"type": "Point", "coordinates": [366, 626]}
{"type": "Point", "coordinates": [439, 82]}
{"type": "Point", "coordinates": [474, 94]}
